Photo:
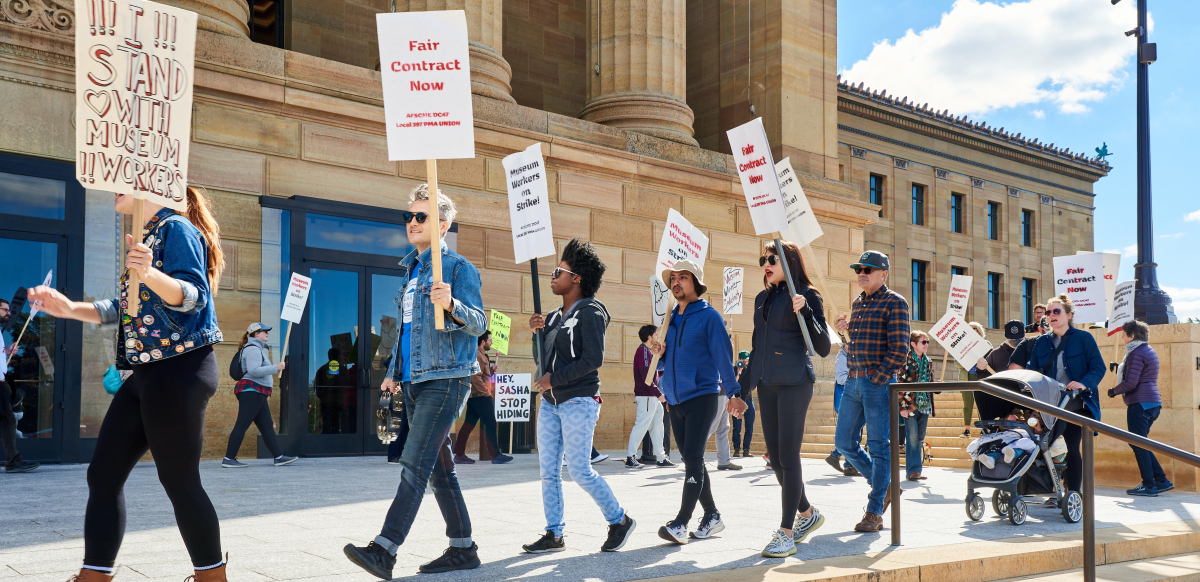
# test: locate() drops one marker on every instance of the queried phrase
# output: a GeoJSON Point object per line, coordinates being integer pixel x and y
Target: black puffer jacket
{"type": "Point", "coordinates": [780, 357]}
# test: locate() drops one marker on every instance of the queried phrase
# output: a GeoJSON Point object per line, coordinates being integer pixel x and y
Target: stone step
{"type": "Point", "coordinates": [1177, 568]}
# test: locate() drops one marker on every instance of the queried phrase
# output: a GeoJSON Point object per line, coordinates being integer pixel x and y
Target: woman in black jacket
{"type": "Point", "coordinates": [782, 370]}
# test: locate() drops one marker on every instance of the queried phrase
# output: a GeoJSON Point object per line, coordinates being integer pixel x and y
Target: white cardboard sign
{"type": "Point", "coordinates": [1122, 310]}
{"type": "Point", "coordinates": [134, 66]}
{"type": "Point", "coordinates": [426, 79]}
{"type": "Point", "coordinates": [803, 227]}
{"type": "Point", "coordinates": [681, 241]}
{"type": "Point", "coordinates": [512, 397]}
{"type": "Point", "coordinates": [1081, 277]}
{"type": "Point", "coordinates": [34, 306]}
{"type": "Point", "coordinates": [44, 357]}
{"type": "Point", "coordinates": [963, 344]}
{"type": "Point", "coordinates": [659, 299]}
{"type": "Point", "coordinates": [960, 292]}
{"type": "Point", "coordinates": [760, 183]}
{"type": "Point", "coordinates": [731, 296]}
{"type": "Point", "coordinates": [1112, 265]}
{"type": "Point", "coordinates": [529, 204]}
{"type": "Point", "coordinates": [296, 298]}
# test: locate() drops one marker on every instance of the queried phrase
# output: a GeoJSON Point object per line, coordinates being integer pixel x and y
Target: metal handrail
{"type": "Point", "coordinates": [1087, 451]}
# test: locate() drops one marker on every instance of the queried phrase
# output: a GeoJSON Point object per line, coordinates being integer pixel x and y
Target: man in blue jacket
{"type": "Point", "coordinates": [696, 359]}
{"type": "Point", "coordinates": [432, 368]}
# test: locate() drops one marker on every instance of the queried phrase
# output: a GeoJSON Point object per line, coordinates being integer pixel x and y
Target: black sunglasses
{"type": "Point", "coordinates": [923, 342]}
{"type": "Point", "coordinates": [765, 259]}
{"type": "Point", "coordinates": [1055, 311]}
{"type": "Point", "coordinates": [863, 270]}
{"type": "Point", "coordinates": [409, 216]}
{"type": "Point", "coordinates": [558, 271]}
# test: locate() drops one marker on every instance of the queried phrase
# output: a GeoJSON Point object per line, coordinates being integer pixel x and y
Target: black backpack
{"type": "Point", "coordinates": [236, 371]}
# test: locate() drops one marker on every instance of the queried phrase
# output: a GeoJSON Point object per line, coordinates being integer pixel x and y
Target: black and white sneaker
{"type": "Point", "coordinates": [674, 532]}
{"type": "Point", "coordinates": [632, 463]}
{"type": "Point", "coordinates": [665, 463]}
{"type": "Point", "coordinates": [600, 457]}
{"type": "Point", "coordinates": [546, 544]}
{"type": "Point", "coordinates": [454, 559]}
{"type": "Point", "coordinates": [373, 558]}
{"type": "Point", "coordinates": [618, 534]}
{"type": "Point", "coordinates": [282, 460]}
{"type": "Point", "coordinates": [233, 463]}
{"type": "Point", "coordinates": [710, 525]}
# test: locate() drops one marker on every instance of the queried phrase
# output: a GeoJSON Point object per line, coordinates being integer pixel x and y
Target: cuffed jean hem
{"type": "Point", "coordinates": [393, 547]}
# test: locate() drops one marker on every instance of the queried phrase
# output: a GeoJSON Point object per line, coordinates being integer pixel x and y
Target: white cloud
{"type": "Point", "coordinates": [1173, 236]}
{"type": "Point", "coordinates": [1185, 301]}
{"type": "Point", "coordinates": [984, 56]}
{"type": "Point", "coordinates": [1129, 252]}
{"type": "Point", "coordinates": [1038, 113]}
{"type": "Point", "coordinates": [1192, 216]}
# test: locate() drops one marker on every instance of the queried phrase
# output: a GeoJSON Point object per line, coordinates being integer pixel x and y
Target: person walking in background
{"type": "Point", "coordinates": [572, 353]}
{"type": "Point", "coordinates": [780, 366]}
{"type": "Point", "coordinates": [160, 407]}
{"type": "Point", "coordinates": [649, 402]}
{"type": "Point", "coordinates": [252, 392]}
{"type": "Point", "coordinates": [430, 368]}
{"type": "Point", "coordinates": [741, 444]}
{"type": "Point", "coordinates": [695, 361]}
{"type": "Point", "coordinates": [841, 373]}
{"type": "Point", "coordinates": [876, 351]}
{"type": "Point", "coordinates": [481, 407]}
{"type": "Point", "coordinates": [916, 407]}
{"type": "Point", "coordinates": [1137, 377]}
{"type": "Point", "coordinates": [8, 418]}
{"type": "Point", "coordinates": [720, 430]}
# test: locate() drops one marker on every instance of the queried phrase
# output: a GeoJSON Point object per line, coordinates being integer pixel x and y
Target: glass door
{"type": "Point", "coordinates": [385, 332]}
{"type": "Point", "coordinates": [334, 315]}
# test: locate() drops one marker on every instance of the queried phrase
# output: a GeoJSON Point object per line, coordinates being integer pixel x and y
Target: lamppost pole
{"type": "Point", "coordinates": [1151, 304]}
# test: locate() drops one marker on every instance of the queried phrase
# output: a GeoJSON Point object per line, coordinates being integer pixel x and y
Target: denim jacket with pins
{"type": "Point", "coordinates": [159, 330]}
{"type": "Point", "coordinates": [451, 352]}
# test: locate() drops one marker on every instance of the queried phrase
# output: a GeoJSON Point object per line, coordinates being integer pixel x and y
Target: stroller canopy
{"type": "Point", "coordinates": [1042, 388]}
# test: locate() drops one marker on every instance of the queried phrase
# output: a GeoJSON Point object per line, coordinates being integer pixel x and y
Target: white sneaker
{"type": "Point", "coordinates": [599, 457]}
{"type": "Point", "coordinates": [781, 546]}
{"type": "Point", "coordinates": [709, 525]}
{"type": "Point", "coordinates": [1009, 454]}
{"type": "Point", "coordinates": [807, 525]}
{"type": "Point", "coordinates": [987, 461]}
{"type": "Point", "coordinates": [673, 532]}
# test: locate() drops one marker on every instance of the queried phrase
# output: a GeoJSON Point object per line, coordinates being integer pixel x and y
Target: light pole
{"type": "Point", "coordinates": [1150, 304]}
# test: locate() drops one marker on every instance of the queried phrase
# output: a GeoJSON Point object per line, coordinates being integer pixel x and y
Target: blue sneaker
{"type": "Point", "coordinates": [501, 459]}
{"type": "Point", "coordinates": [1142, 491]}
{"type": "Point", "coordinates": [1164, 486]}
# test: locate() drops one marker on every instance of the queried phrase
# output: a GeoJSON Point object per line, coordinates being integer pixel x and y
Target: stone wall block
{"type": "Point", "coordinates": [227, 169]}
{"type": "Point", "coordinates": [620, 230]}
{"type": "Point", "coordinates": [707, 213]}
{"type": "Point", "coordinates": [501, 291]}
{"type": "Point", "coordinates": [650, 203]}
{"type": "Point", "coordinates": [341, 147]}
{"type": "Point", "coordinates": [589, 191]}
{"type": "Point", "coordinates": [245, 130]}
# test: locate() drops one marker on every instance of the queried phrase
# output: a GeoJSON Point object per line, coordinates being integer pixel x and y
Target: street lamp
{"type": "Point", "coordinates": [1151, 304]}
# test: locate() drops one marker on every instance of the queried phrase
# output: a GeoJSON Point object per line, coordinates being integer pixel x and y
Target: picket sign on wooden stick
{"type": "Point", "coordinates": [435, 236]}
{"type": "Point", "coordinates": [33, 309]}
{"type": "Point", "coordinates": [133, 300]}
{"type": "Point", "coordinates": [660, 335]}
{"type": "Point", "coordinates": [286, 338]}
{"type": "Point", "coordinates": [787, 275]}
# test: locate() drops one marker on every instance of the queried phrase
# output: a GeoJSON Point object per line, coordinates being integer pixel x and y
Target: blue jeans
{"type": "Point", "coordinates": [866, 404]}
{"type": "Point", "coordinates": [397, 446]}
{"type": "Point", "coordinates": [567, 428]}
{"type": "Point", "coordinates": [431, 408]}
{"type": "Point", "coordinates": [914, 427]}
{"type": "Point", "coordinates": [838, 389]}
{"type": "Point", "coordinates": [1140, 421]}
{"type": "Point", "coordinates": [737, 426]}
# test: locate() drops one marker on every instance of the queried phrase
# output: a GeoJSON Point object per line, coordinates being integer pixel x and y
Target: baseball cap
{"type": "Point", "coordinates": [257, 327]}
{"type": "Point", "coordinates": [743, 355]}
{"type": "Point", "coordinates": [1014, 330]}
{"type": "Point", "coordinates": [874, 260]}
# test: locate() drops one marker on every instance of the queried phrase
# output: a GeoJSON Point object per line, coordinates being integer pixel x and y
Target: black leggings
{"type": "Point", "coordinates": [691, 421]}
{"type": "Point", "coordinates": [783, 409]}
{"type": "Point", "coordinates": [253, 408]}
{"type": "Point", "coordinates": [160, 408]}
{"type": "Point", "coordinates": [1073, 435]}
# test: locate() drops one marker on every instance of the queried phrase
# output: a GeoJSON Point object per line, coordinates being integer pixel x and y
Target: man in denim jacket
{"type": "Point", "coordinates": [432, 369]}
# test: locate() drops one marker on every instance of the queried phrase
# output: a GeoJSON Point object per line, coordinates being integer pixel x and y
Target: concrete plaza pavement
{"type": "Point", "coordinates": [290, 523]}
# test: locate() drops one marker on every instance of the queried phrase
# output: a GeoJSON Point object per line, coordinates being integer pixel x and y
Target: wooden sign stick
{"type": "Point", "coordinates": [435, 237]}
{"type": "Point", "coordinates": [286, 337]}
{"type": "Point", "coordinates": [133, 299]}
{"type": "Point", "coordinates": [661, 333]}
{"type": "Point", "coordinates": [787, 275]}
{"type": "Point", "coordinates": [945, 364]}
{"type": "Point", "coordinates": [16, 343]}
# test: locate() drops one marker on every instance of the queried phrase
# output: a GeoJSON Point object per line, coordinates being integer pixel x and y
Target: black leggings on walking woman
{"type": "Point", "coordinates": [691, 421]}
{"type": "Point", "coordinates": [253, 408]}
{"type": "Point", "coordinates": [160, 408]}
{"type": "Point", "coordinates": [783, 409]}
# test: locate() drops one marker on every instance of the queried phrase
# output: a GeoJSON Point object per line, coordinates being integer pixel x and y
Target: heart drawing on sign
{"type": "Point", "coordinates": [99, 101]}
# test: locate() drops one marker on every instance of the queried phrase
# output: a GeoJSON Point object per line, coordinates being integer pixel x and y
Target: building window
{"type": "Point", "coordinates": [958, 271]}
{"type": "Point", "coordinates": [1028, 292]}
{"type": "Point", "coordinates": [918, 290]}
{"type": "Point", "coordinates": [877, 191]}
{"type": "Point", "coordinates": [266, 22]}
{"type": "Point", "coordinates": [994, 220]}
{"type": "Point", "coordinates": [918, 204]}
{"type": "Point", "coordinates": [994, 301]}
{"type": "Point", "coordinates": [956, 212]}
{"type": "Point", "coordinates": [1026, 228]}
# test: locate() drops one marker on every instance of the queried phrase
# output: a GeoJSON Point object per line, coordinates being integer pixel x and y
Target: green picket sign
{"type": "Point", "coordinates": [500, 326]}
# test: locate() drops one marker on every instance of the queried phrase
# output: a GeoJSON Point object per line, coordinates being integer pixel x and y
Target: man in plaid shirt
{"type": "Point", "coordinates": [876, 349]}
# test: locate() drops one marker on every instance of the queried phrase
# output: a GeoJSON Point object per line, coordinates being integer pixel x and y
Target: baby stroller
{"type": "Point", "coordinates": [1034, 475]}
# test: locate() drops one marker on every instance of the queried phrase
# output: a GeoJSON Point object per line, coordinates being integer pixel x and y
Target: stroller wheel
{"type": "Point", "coordinates": [1000, 501]}
{"type": "Point", "coordinates": [974, 507]}
{"type": "Point", "coordinates": [1017, 511]}
{"type": "Point", "coordinates": [1072, 507]}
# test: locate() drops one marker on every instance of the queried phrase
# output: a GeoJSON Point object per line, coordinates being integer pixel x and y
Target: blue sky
{"type": "Point", "coordinates": [1061, 71]}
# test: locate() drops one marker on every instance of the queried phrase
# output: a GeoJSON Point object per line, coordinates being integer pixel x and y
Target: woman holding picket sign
{"type": "Point", "coordinates": [167, 344]}
{"type": "Point", "coordinates": [782, 370]}
{"type": "Point", "coordinates": [252, 390]}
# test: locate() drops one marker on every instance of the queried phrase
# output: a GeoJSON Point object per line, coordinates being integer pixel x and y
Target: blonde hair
{"type": "Point", "coordinates": [978, 327]}
{"type": "Point", "coordinates": [446, 209]}
{"type": "Point", "coordinates": [1062, 299]}
{"type": "Point", "coordinates": [199, 213]}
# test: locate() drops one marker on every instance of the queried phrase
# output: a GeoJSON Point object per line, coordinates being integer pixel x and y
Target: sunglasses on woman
{"type": "Point", "coordinates": [409, 216]}
{"type": "Point", "coordinates": [923, 342]}
{"type": "Point", "coordinates": [558, 271]}
{"type": "Point", "coordinates": [1055, 311]}
{"type": "Point", "coordinates": [768, 259]}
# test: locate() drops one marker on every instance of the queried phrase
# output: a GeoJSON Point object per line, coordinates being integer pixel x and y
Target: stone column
{"type": "Point", "coordinates": [639, 48]}
{"type": "Point", "coordinates": [229, 17]}
{"type": "Point", "coordinates": [490, 73]}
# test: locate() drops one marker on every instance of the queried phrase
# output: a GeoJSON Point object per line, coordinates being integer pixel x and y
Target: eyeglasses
{"type": "Point", "coordinates": [1055, 311]}
{"type": "Point", "coordinates": [863, 270]}
{"type": "Point", "coordinates": [558, 271]}
{"type": "Point", "coordinates": [409, 216]}
{"type": "Point", "coordinates": [768, 259]}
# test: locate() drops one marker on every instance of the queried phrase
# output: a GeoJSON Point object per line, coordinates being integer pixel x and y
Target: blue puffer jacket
{"type": "Point", "coordinates": [698, 356]}
{"type": "Point", "coordinates": [160, 330]}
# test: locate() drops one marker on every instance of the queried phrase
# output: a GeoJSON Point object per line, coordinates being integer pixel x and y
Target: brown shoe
{"type": "Point", "coordinates": [211, 575]}
{"type": "Point", "coordinates": [887, 498]}
{"type": "Point", "coordinates": [871, 522]}
{"type": "Point", "coordinates": [86, 575]}
{"type": "Point", "coordinates": [916, 477]}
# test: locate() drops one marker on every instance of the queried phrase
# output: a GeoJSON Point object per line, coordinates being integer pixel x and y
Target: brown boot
{"type": "Point", "coordinates": [871, 522]}
{"type": "Point", "coordinates": [212, 575]}
{"type": "Point", "coordinates": [86, 575]}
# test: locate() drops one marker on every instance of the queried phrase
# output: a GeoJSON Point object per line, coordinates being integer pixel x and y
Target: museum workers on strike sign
{"type": "Point", "coordinates": [134, 63]}
{"type": "Point", "coordinates": [960, 292]}
{"type": "Point", "coordinates": [529, 204]}
{"type": "Point", "coordinates": [681, 242]}
{"type": "Point", "coordinates": [959, 340]}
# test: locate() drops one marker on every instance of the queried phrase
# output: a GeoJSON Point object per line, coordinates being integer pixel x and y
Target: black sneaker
{"type": "Point", "coordinates": [372, 558]}
{"type": "Point", "coordinates": [454, 559]}
{"type": "Point", "coordinates": [618, 534]}
{"type": "Point", "coordinates": [24, 467]}
{"type": "Point", "coordinates": [665, 463]}
{"type": "Point", "coordinates": [282, 460]}
{"type": "Point", "coordinates": [229, 463]}
{"type": "Point", "coordinates": [632, 463]}
{"type": "Point", "coordinates": [1164, 486]}
{"type": "Point", "coordinates": [546, 544]}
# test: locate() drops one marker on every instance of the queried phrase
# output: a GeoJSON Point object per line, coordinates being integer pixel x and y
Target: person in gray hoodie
{"type": "Point", "coordinates": [252, 392]}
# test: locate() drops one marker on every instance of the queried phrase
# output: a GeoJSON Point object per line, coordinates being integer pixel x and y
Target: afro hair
{"type": "Point", "coordinates": [581, 257]}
